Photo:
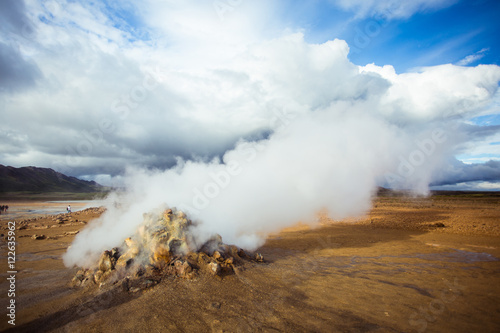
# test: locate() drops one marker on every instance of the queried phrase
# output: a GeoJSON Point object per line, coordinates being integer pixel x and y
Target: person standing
{"type": "Point", "coordinates": [68, 209]}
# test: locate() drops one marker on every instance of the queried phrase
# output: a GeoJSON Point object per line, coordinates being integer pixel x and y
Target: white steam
{"type": "Point", "coordinates": [338, 131]}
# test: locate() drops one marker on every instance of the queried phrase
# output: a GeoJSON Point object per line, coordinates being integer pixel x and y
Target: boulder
{"type": "Point", "coordinates": [214, 268]}
{"type": "Point", "coordinates": [184, 269]}
{"type": "Point", "coordinates": [217, 256]}
{"type": "Point", "coordinates": [124, 262]}
{"type": "Point", "coordinates": [106, 262]}
{"type": "Point", "coordinates": [78, 278]}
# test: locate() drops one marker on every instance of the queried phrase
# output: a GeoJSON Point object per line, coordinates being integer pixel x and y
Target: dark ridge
{"type": "Point", "coordinates": [33, 179]}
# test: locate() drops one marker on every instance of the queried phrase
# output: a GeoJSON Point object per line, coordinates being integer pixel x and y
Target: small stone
{"type": "Point", "coordinates": [259, 257]}
{"type": "Point", "coordinates": [88, 281]}
{"type": "Point", "coordinates": [214, 268]}
{"type": "Point", "coordinates": [76, 282]}
{"type": "Point", "coordinates": [98, 276]}
{"type": "Point", "coordinates": [37, 237]}
{"type": "Point", "coordinates": [115, 253]}
{"type": "Point", "coordinates": [79, 277]}
{"type": "Point", "coordinates": [124, 262]}
{"type": "Point", "coordinates": [217, 256]}
{"type": "Point", "coordinates": [183, 269]}
{"type": "Point", "coordinates": [242, 254]}
{"type": "Point", "coordinates": [203, 259]}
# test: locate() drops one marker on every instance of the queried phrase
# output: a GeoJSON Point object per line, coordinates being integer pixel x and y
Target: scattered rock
{"type": "Point", "coordinates": [184, 269]}
{"type": "Point", "coordinates": [259, 257]}
{"type": "Point", "coordinates": [216, 305]}
{"type": "Point", "coordinates": [218, 256]}
{"type": "Point", "coordinates": [78, 278]}
{"type": "Point", "coordinates": [38, 237]}
{"type": "Point", "coordinates": [215, 268]}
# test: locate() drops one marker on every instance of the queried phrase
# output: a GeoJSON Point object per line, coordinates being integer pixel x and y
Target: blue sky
{"type": "Point", "coordinates": [224, 69]}
{"type": "Point", "coordinates": [428, 38]}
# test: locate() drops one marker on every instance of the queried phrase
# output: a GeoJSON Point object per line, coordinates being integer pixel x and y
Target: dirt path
{"type": "Point", "coordinates": [394, 271]}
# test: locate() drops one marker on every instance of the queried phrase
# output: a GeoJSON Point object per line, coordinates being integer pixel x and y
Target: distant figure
{"type": "Point", "coordinates": [68, 209]}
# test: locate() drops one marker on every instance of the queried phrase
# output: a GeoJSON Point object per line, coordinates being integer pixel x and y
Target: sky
{"type": "Point", "coordinates": [95, 88]}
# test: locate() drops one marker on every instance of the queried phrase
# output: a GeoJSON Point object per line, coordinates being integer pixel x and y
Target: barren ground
{"type": "Point", "coordinates": [397, 270]}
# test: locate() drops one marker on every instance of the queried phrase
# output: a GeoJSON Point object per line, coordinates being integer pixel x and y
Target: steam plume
{"type": "Point", "coordinates": [338, 131]}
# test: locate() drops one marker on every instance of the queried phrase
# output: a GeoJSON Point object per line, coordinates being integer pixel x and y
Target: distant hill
{"type": "Point", "coordinates": [33, 179]}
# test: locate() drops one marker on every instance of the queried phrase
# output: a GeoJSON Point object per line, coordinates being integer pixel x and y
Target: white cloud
{"type": "Point", "coordinates": [392, 9]}
{"type": "Point", "coordinates": [438, 92]}
{"type": "Point", "coordinates": [472, 58]}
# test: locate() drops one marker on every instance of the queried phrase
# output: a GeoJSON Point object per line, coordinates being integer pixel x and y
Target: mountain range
{"type": "Point", "coordinates": [34, 179]}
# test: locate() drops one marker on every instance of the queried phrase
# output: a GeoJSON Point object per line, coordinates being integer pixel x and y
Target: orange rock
{"type": "Point", "coordinates": [161, 254]}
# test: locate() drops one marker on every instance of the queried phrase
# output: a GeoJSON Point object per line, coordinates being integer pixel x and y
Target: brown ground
{"type": "Point", "coordinates": [397, 270]}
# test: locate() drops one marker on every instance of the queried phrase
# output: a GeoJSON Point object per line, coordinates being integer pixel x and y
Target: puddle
{"type": "Point", "coordinates": [26, 211]}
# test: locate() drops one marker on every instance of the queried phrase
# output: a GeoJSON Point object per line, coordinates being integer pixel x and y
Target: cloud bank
{"type": "Point", "coordinates": [102, 87]}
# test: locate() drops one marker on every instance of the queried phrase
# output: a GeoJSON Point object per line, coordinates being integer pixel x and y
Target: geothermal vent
{"type": "Point", "coordinates": [163, 246]}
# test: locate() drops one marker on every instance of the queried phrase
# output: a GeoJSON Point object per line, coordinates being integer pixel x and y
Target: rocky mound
{"type": "Point", "coordinates": [163, 246]}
